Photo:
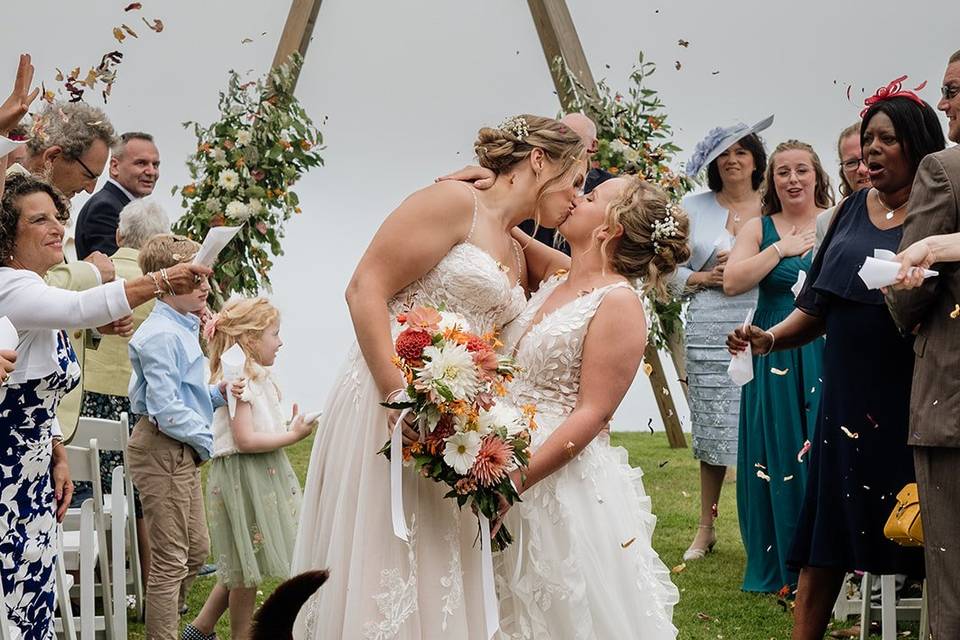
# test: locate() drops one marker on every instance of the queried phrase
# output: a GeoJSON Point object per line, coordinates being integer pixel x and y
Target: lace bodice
{"type": "Point", "coordinates": [550, 352]}
{"type": "Point", "coordinates": [470, 282]}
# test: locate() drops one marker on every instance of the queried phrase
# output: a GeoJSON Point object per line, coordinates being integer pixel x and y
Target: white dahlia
{"type": "Point", "coordinates": [461, 451]}
{"type": "Point", "coordinates": [229, 179]}
{"type": "Point", "coordinates": [236, 210]}
{"type": "Point", "coordinates": [254, 206]}
{"type": "Point", "coordinates": [448, 373]}
{"type": "Point", "coordinates": [449, 320]}
{"type": "Point", "coordinates": [244, 137]}
{"type": "Point", "coordinates": [502, 414]}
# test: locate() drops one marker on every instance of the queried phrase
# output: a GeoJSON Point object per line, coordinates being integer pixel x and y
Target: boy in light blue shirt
{"type": "Point", "coordinates": [168, 387]}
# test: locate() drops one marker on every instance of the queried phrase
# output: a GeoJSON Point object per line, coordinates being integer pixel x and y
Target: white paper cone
{"type": "Point", "coordinates": [740, 368]}
{"type": "Point", "coordinates": [232, 362]}
{"type": "Point", "coordinates": [877, 273]}
{"type": "Point", "coordinates": [798, 286]}
{"type": "Point", "coordinates": [217, 238]}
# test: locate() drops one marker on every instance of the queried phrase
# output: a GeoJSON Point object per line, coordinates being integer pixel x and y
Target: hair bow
{"type": "Point", "coordinates": [210, 326]}
{"type": "Point", "coordinates": [893, 90]}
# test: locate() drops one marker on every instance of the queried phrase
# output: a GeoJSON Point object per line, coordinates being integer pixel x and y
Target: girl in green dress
{"type": "Point", "coordinates": [253, 495]}
{"type": "Point", "coordinates": [778, 409]}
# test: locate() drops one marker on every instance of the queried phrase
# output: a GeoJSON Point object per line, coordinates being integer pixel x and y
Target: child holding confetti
{"type": "Point", "coordinates": [253, 495]}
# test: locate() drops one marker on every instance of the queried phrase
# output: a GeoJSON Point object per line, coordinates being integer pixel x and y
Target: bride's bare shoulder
{"type": "Point", "coordinates": [448, 200]}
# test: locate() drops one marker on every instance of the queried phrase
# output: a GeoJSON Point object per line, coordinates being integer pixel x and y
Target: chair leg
{"type": "Point", "coordinates": [888, 606]}
{"type": "Point", "coordinates": [106, 591]}
{"type": "Point", "coordinates": [63, 596]}
{"type": "Point", "coordinates": [924, 615]}
{"type": "Point", "coordinates": [866, 584]}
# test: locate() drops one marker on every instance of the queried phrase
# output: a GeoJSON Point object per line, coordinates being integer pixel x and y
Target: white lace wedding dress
{"type": "Point", "coordinates": [381, 588]}
{"type": "Point", "coordinates": [588, 571]}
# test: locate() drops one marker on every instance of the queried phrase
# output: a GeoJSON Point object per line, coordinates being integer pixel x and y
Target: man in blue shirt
{"type": "Point", "coordinates": [169, 388]}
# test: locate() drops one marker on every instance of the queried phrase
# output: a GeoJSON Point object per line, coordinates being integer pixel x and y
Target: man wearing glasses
{"type": "Point", "coordinates": [934, 209]}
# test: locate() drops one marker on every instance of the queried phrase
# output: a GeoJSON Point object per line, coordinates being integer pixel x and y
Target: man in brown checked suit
{"type": "Point", "coordinates": [935, 401]}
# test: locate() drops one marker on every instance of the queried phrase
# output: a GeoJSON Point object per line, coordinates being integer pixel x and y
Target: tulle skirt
{"type": "Point", "coordinates": [253, 502]}
{"type": "Point", "coordinates": [587, 568]}
{"type": "Point", "coordinates": [380, 587]}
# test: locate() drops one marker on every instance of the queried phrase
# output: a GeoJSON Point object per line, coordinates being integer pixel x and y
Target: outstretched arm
{"type": "Point", "coordinates": [933, 210]}
{"type": "Point", "coordinates": [249, 440]}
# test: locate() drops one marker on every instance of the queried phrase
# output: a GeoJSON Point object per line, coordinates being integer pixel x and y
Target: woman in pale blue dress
{"type": "Point", "coordinates": [734, 159]}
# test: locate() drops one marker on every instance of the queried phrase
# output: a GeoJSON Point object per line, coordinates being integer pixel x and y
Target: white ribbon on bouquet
{"type": "Point", "coordinates": [491, 609]}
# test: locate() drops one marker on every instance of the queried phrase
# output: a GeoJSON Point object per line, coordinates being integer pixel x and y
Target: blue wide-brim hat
{"type": "Point", "coordinates": [719, 140]}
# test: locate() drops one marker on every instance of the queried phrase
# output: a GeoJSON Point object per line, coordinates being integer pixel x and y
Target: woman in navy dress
{"type": "Point", "coordinates": [32, 214]}
{"type": "Point", "coordinates": [859, 459]}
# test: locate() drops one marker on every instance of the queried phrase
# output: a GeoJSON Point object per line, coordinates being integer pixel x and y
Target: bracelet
{"type": "Point", "coordinates": [158, 291]}
{"type": "Point", "coordinates": [56, 441]}
{"type": "Point", "coordinates": [773, 341]}
{"type": "Point", "coordinates": [166, 281]}
{"type": "Point", "coordinates": [779, 253]}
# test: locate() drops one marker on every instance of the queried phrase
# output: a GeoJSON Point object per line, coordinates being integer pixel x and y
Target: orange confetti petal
{"type": "Point", "coordinates": [157, 25]}
{"type": "Point", "coordinates": [130, 31]}
{"type": "Point", "coordinates": [628, 543]}
{"type": "Point", "coordinates": [133, 6]}
{"type": "Point", "coordinates": [119, 34]}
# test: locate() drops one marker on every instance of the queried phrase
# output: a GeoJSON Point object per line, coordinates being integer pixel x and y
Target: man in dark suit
{"type": "Point", "coordinates": [934, 209]}
{"type": "Point", "coordinates": [134, 171]}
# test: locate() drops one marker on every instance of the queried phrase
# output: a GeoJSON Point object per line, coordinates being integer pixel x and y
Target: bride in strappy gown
{"type": "Point", "coordinates": [446, 245]}
{"type": "Point", "coordinates": [587, 570]}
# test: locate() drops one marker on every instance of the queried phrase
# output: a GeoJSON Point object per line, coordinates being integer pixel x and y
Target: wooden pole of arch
{"type": "Point", "coordinates": [558, 37]}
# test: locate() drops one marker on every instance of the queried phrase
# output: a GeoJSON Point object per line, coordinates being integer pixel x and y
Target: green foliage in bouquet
{"type": "Point", "coordinates": [633, 138]}
{"type": "Point", "coordinates": [243, 171]}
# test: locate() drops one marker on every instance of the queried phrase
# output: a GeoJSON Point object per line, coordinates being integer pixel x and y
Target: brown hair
{"type": "Point", "coordinates": [241, 321]}
{"type": "Point", "coordinates": [640, 253]}
{"type": "Point", "coordinates": [822, 195]}
{"type": "Point", "coordinates": [17, 186]}
{"type": "Point", "coordinates": [853, 130]}
{"type": "Point", "coordinates": [165, 250]}
{"type": "Point", "coordinates": [503, 148]}
{"type": "Point", "coordinates": [955, 57]}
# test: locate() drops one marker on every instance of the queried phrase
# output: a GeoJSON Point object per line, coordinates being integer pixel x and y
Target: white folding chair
{"type": "Point", "coordinates": [83, 548]}
{"type": "Point", "coordinates": [119, 514]}
{"type": "Point", "coordinates": [64, 623]}
{"type": "Point", "coordinates": [113, 435]}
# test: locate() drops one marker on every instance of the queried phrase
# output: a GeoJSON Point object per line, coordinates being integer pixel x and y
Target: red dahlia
{"type": "Point", "coordinates": [411, 342]}
{"type": "Point", "coordinates": [476, 343]}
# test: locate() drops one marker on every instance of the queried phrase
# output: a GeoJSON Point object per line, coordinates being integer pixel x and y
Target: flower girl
{"type": "Point", "coordinates": [253, 495]}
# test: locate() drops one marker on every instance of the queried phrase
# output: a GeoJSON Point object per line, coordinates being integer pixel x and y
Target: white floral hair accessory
{"type": "Point", "coordinates": [517, 125]}
{"type": "Point", "coordinates": [664, 229]}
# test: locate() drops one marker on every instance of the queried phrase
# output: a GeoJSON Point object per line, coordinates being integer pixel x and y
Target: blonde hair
{"type": "Point", "coordinates": [241, 321]}
{"type": "Point", "coordinates": [640, 253]}
{"type": "Point", "coordinates": [500, 149]}
{"type": "Point", "coordinates": [853, 130]}
{"type": "Point", "coordinates": [822, 194]}
{"type": "Point", "coordinates": [166, 250]}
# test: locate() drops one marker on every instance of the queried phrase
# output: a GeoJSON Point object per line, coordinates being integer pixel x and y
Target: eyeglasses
{"type": "Point", "coordinates": [851, 164]}
{"type": "Point", "coordinates": [949, 91]}
{"type": "Point", "coordinates": [90, 174]}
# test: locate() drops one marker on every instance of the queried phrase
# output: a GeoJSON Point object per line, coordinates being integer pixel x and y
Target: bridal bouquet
{"type": "Point", "coordinates": [470, 438]}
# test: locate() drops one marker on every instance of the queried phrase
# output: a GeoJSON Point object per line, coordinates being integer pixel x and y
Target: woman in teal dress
{"type": "Point", "coordinates": [778, 409]}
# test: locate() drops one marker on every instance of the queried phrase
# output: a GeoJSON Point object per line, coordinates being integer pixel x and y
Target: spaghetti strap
{"type": "Point", "coordinates": [516, 255]}
{"type": "Point", "coordinates": [473, 222]}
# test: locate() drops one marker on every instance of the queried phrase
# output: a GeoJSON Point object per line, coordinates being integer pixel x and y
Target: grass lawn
{"type": "Point", "coordinates": [712, 606]}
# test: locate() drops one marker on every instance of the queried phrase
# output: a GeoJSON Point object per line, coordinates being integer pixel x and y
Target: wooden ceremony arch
{"type": "Point", "coordinates": [558, 37]}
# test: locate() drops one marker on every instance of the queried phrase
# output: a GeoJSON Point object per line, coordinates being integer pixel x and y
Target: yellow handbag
{"type": "Point", "coordinates": [904, 525]}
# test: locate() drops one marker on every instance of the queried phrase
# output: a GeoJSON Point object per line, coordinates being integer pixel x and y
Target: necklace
{"type": "Point", "coordinates": [890, 210]}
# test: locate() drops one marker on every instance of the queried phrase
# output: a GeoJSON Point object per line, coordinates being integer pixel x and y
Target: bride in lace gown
{"type": "Point", "coordinates": [587, 569]}
{"type": "Point", "coordinates": [445, 245]}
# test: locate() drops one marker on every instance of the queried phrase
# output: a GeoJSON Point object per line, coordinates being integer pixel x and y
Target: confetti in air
{"type": "Point", "coordinates": [853, 435]}
{"type": "Point", "coordinates": [779, 372]}
{"type": "Point", "coordinates": [803, 450]}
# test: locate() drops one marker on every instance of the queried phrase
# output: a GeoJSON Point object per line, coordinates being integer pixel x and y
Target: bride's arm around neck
{"type": "Point", "coordinates": [612, 352]}
{"type": "Point", "coordinates": [409, 243]}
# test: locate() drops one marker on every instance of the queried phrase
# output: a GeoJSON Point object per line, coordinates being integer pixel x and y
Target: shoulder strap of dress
{"type": "Point", "coordinates": [473, 221]}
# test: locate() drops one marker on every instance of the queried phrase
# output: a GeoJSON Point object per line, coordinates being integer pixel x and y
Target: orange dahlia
{"type": "Point", "coordinates": [492, 461]}
{"type": "Point", "coordinates": [411, 343]}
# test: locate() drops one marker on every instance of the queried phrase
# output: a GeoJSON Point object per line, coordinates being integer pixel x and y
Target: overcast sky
{"type": "Point", "coordinates": [406, 84]}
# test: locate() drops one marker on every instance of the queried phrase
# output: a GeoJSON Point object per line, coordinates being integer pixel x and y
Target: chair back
{"type": "Point", "coordinates": [111, 435]}
{"type": "Point", "coordinates": [119, 515]}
